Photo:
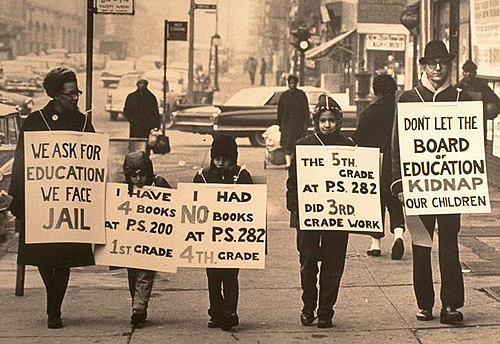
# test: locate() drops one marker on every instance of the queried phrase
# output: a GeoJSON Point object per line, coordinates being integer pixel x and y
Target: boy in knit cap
{"type": "Point", "coordinates": [138, 171]}
{"type": "Point", "coordinates": [223, 283]}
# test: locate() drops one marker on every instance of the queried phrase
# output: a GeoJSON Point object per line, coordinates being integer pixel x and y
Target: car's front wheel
{"type": "Point", "coordinates": [257, 140]}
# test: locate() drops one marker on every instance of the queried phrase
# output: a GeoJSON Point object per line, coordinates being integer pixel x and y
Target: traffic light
{"type": "Point", "coordinates": [301, 38]}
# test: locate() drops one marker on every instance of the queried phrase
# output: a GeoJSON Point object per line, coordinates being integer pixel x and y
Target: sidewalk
{"type": "Point", "coordinates": [376, 302]}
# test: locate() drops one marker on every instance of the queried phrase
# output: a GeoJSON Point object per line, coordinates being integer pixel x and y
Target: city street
{"type": "Point", "coordinates": [376, 302]}
{"type": "Point", "coordinates": [418, 80]}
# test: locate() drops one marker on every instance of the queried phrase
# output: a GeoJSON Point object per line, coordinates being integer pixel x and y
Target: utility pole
{"type": "Point", "coordinates": [217, 42]}
{"type": "Point", "coordinates": [90, 55]}
{"type": "Point", "coordinates": [191, 52]}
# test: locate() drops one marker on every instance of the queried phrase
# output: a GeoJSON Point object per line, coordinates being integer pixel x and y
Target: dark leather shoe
{"type": "Point", "coordinates": [374, 253]}
{"type": "Point", "coordinates": [450, 315]}
{"type": "Point", "coordinates": [325, 322]}
{"type": "Point", "coordinates": [137, 318]}
{"type": "Point", "coordinates": [229, 321]}
{"type": "Point", "coordinates": [398, 249]}
{"type": "Point", "coordinates": [307, 318]}
{"type": "Point", "coordinates": [214, 322]}
{"type": "Point", "coordinates": [54, 321]}
{"type": "Point", "coordinates": [425, 315]}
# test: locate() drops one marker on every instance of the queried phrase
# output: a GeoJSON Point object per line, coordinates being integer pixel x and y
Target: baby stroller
{"type": "Point", "coordinates": [275, 155]}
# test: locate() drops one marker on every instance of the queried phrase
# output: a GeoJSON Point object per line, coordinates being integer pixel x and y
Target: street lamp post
{"type": "Point", "coordinates": [216, 43]}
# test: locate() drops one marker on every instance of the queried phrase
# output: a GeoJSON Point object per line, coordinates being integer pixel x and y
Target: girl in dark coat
{"type": "Point", "coordinates": [293, 117]}
{"type": "Point", "coordinates": [329, 247]}
{"type": "Point", "coordinates": [52, 259]}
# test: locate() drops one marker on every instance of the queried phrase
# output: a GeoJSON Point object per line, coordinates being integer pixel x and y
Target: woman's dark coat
{"type": "Point", "coordinates": [141, 110]}
{"type": "Point", "coordinates": [293, 117]}
{"type": "Point", "coordinates": [51, 254]}
{"type": "Point", "coordinates": [374, 129]}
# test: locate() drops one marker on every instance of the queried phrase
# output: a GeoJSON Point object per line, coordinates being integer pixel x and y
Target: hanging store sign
{"type": "Point", "coordinates": [485, 36]}
{"type": "Point", "coordinates": [114, 6]}
{"type": "Point", "coordinates": [385, 42]}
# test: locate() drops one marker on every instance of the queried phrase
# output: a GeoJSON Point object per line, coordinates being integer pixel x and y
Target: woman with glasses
{"type": "Point", "coordinates": [53, 260]}
{"type": "Point", "coordinates": [329, 247]}
{"type": "Point", "coordinates": [138, 171]}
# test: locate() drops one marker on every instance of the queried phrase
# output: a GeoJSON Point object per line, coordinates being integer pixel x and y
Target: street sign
{"type": "Point", "coordinates": [177, 31]}
{"type": "Point", "coordinates": [205, 6]}
{"type": "Point", "coordinates": [114, 6]}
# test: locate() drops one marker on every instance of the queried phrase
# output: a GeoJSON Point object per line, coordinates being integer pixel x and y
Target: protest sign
{"type": "Point", "coordinates": [442, 158]}
{"type": "Point", "coordinates": [496, 136]}
{"type": "Point", "coordinates": [222, 226]}
{"type": "Point", "coordinates": [339, 188]}
{"type": "Point", "coordinates": [65, 175]}
{"type": "Point", "coordinates": [140, 228]}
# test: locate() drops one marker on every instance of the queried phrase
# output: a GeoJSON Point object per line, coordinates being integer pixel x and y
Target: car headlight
{"type": "Point", "coordinates": [30, 104]}
{"type": "Point", "coordinates": [215, 127]}
{"type": "Point", "coordinates": [215, 117]}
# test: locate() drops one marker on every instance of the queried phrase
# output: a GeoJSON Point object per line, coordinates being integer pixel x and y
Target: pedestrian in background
{"type": "Point", "coordinates": [263, 71]}
{"type": "Point", "coordinates": [374, 129]}
{"type": "Point", "coordinates": [251, 69]}
{"type": "Point", "coordinates": [434, 86]}
{"type": "Point", "coordinates": [223, 286]}
{"type": "Point", "coordinates": [53, 260]}
{"type": "Point", "coordinates": [327, 246]}
{"type": "Point", "coordinates": [470, 83]}
{"type": "Point", "coordinates": [293, 117]}
{"type": "Point", "coordinates": [141, 110]}
{"type": "Point", "coordinates": [139, 172]}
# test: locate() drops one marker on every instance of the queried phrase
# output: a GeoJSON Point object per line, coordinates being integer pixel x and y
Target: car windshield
{"type": "Point", "coordinates": [313, 97]}
{"type": "Point", "coordinates": [128, 81]}
{"type": "Point", "coordinates": [250, 97]}
{"type": "Point", "coordinates": [123, 65]}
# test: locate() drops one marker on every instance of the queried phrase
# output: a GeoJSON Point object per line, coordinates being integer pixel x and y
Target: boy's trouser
{"type": "Point", "coordinates": [140, 284]}
{"type": "Point", "coordinates": [330, 248]}
{"type": "Point", "coordinates": [222, 292]}
{"type": "Point", "coordinates": [452, 284]}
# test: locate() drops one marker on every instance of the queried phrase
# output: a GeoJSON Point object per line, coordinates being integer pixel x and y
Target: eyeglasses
{"type": "Point", "coordinates": [72, 94]}
{"type": "Point", "coordinates": [137, 173]}
{"type": "Point", "coordinates": [434, 63]}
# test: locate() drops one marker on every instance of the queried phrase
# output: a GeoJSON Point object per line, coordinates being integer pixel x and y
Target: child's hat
{"type": "Point", "coordinates": [224, 146]}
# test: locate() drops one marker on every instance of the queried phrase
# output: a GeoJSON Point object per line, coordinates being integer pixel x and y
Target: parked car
{"type": "Point", "coordinates": [116, 98]}
{"type": "Point", "coordinates": [249, 112]}
{"type": "Point", "coordinates": [9, 132]}
{"type": "Point", "coordinates": [19, 76]}
{"type": "Point", "coordinates": [115, 70]}
{"type": "Point", "coordinates": [22, 103]}
{"type": "Point", "coordinates": [148, 62]}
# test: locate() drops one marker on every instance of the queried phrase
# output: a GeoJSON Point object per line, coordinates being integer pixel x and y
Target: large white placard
{"type": "Point", "coordinates": [65, 175]}
{"type": "Point", "coordinates": [339, 188]}
{"type": "Point", "coordinates": [442, 154]}
{"type": "Point", "coordinates": [140, 228]}
{"type": "Point", "coordinates": [222, 226]}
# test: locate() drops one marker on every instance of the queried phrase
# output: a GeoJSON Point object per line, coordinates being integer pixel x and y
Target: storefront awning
{"type": "Point", "coordinates": [323, 49]}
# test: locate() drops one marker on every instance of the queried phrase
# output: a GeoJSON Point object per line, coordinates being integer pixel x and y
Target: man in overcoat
{"type": "Point", "coordinates": [141, 110]}
{"type": "Point", "coordinates": [293, 117]}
